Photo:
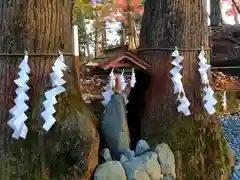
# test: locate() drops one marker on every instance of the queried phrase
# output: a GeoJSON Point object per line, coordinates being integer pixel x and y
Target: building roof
{"type": "Point", "coordinates": [127, 59]}
{"type": "Point", "coordinates": [119, 57]}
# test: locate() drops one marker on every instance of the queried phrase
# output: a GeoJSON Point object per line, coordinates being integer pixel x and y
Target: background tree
{"type": "Point", "coordinates": [197, 138]}
{"type": "Point", "coordinates": [83, 10]}
{"type": "Point", "coordinates": [98, 15]}
{"type": "Point", "coordinates": [70, 149]}
{"type": "Point", "coordinates": [237, 5]}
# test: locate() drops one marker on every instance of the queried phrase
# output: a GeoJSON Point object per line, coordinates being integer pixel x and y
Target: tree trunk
{"type": "Point", "coordinates": [96, 34]}
{"type": "Point", "coordinates": [167, 24]}
{"type": "Point", "coordinates": [64, 152]}
{"type": "Point", "coordinates": [215, 14]}
{"type": "Point", "coordinates": [123, 34]}
{"type": "Point", "coordinates": [85, 36]}
{"type": "Point", "coordinates": [104, 36]}
{"type": "Point", "coordinates": [130, 26]}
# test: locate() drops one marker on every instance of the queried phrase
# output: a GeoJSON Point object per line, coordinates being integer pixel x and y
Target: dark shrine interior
{"type": "Point", "coordinates": [135, 106]}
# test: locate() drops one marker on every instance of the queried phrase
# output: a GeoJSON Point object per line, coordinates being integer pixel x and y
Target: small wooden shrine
{"type": "Point", "coordinates": [95, 74]}
{"type": "Point", "coordinates": [118, 57]}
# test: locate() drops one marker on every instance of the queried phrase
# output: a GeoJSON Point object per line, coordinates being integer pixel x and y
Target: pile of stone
{"type": "Point", "coordinates": [143, 164]}
{"type": "Point", "coordinates": [231, 130]}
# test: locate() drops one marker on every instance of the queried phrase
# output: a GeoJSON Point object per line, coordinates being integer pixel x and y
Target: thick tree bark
{"type": "Point", "coordinates": [180, 23]}
{"type": "Point", "coordinates": [43, 26]}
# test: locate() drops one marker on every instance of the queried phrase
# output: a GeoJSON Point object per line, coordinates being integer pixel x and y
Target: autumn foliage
{"type": "Point", "coordinates": [133, 5]}
{"type": "Point", "coordinates": [118, 9]}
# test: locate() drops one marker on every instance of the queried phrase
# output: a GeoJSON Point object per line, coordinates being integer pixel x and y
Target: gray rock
{"type": "Point", "coordinates": [81, 140]}
{"type": "Point", "coordinates": [105, 153]}
{"type": "Point", "coordinates": [166, 159]}
{"type": "Point", "coordinates": [129, 154]}
{"type": "Point", "coordinates": [111, 170]}
{"type": "Point", "coordinates": [141, 147]}
{"type": "Point", "coordinates": [144, 167]}
{"type": "Point", "coordinates": [167, 178]}
{"type": "Point", "coordinates": [114, 126]}
{"type": "Point", "coordinates": [123, 159]}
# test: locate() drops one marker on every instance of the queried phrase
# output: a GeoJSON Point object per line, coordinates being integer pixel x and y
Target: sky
{"type": "Point", "coordinates": [111, 32]}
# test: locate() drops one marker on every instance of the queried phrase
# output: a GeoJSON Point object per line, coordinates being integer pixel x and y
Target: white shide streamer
{"type": "Point", "coordinates": [224, 101]}
{"type": "Point", "coordinates": [108, 90]}
{"type": "Point", "coordinates": [122, 86]}
{"type": "Point", "coordinates": [209, 100]}
{"type": "Point", "coordinates": [107, 95]}
{"type": "Point", "coordinates": [17, 122]}
{"type": "Point", "coordinates": [112, 79]}
{"type": "Point", "coordinates": [133, 78]}
{"type": "Point", "coordinates": [178, 85]}
{"type": "Point", "coordinates": [122, 82]}
{"type": "Point", "coordinates": [57, 82]}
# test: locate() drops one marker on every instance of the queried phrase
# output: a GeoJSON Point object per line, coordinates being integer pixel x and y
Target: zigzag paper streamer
{"type": "Point", "coordinates": [122, 82]}
{"type": "Point", "coordinates": [107, 95]}
{"type": "Point", "coordinates": [123, 85]}
{"type": "Point", "coordinates": [17, 122]}
{"type": "Point", "coordinates": [209, 100]}
{"type": "Point", "coordinates": [108, 90]}
{"type": "Point", "coordinates": [133, 79]}
{"type": "Point", "coordinates": [57, 82]}
{"type": "Point", "coordinates": [112, 79]}
{"type": "Point", "coordinates": [224, 101]}
{"type": "Point", "coordinates": [178, 85]}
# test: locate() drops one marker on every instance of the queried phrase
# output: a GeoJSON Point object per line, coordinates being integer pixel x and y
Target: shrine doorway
{"type": "Point", "coordinates": [136, 104]}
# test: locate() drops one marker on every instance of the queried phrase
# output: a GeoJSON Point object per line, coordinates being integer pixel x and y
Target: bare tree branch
{"type": "Point", "coordinates": [236, 3]}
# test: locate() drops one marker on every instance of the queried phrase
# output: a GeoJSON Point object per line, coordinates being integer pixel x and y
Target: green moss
{"type": "Point", "coordinates": [60, 153]}
{"type": "Point", "coordinates": [232, 102]}
{"type": "Point", "coordinates": [196, 141]}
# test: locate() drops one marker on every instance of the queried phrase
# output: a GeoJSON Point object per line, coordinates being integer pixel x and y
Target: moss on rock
{"type": "Point", "coordinates": [196, 140]}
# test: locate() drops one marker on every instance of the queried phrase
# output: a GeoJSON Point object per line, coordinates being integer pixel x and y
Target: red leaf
{"type": "Point", "coordinates": [123, 4]}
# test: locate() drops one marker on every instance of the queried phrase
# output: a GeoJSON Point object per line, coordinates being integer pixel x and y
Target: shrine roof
{"type": "Point", "coordinates": [119, 57]}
